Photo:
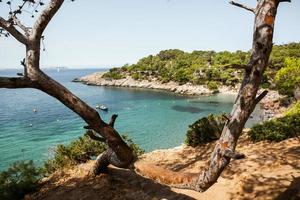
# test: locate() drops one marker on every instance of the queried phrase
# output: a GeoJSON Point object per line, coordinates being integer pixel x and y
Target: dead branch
{"type": "Point", "coordinates": [9, 27]}
{"type": "Point", "coordinates": [112, 120]}
{"type": "Point", "coordinates": [20, 25]}
{"type": "Point", "coordinates": [15, 82]}
{"type": "Point", "coordinates": [242, 6]}
{"type": "Point", "coordinates": [237, 66]}
{"type": "Point", "coordinates": [261, 96]}
{"type": "Point", "coordinates": [94, 137]}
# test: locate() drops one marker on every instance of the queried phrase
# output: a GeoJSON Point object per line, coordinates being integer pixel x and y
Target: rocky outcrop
{"type": "Point", "coordinates": [270, 106]}
{"type": "Point", "coordinates": [187, 89]}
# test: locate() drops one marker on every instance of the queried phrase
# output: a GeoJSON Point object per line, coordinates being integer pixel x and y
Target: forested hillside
{"type": "Point", "coordinates": [207, 67]}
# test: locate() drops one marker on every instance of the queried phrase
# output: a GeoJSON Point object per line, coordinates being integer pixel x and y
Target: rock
{"type": "Point", "coordinates": [188, 88]}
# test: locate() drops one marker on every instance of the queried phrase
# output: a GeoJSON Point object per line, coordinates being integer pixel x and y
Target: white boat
{"type": "Point", "coordinates": [102, 107]}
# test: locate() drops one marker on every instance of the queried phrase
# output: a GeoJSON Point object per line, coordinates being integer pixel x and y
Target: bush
{"type": "Point", "coordinates": [288, 77]}
{"type": "Point", "coordinates": [80, 151]}
{"type": "Point", "coordinates": [23, 177]}
{"type": "Point", "coordinates": [19, 179]}
{"type": "Point", "coordinates": [135, 76]}
{"type": "Point", "coordinates": [205, 130]}
{"type": "Point", "coordinates": [114, 73]}
{"type": "Point", "coordinates": [279, 129]}
{"type": "Point", "coordinates": [294, 109]}
{"type": "Point", "coordinates": [276, 129]}
{"type": "Point", "coordinates": [212, 85]}
{"type": "Point", "coordinates": [137, 150]}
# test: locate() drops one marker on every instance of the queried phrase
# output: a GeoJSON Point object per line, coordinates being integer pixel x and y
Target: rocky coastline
{"type": "Point", "coordinates": [184, 89]}
{"type": "Point", "coordinates": [270, 106]}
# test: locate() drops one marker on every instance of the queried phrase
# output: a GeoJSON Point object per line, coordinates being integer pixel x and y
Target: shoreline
{"type": "Point", "coordinates": [270, 104]}
{"type": "Point", "coordinates": [96, 79]}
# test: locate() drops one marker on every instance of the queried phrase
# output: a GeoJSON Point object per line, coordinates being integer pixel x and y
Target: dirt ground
{"type": "Point", "coordinates": [269, 171]}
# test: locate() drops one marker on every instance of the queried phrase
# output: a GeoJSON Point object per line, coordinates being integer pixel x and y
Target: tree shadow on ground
{"type": "Point", "coordinates": [116, 184]}
{"type": "Point", "coordinates": [276, 164]}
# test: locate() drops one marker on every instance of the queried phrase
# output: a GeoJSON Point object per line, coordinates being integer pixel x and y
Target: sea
{"type": "Point", "coordinates": [33, 123]}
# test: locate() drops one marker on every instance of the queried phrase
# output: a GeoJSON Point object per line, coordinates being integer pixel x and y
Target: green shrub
{"type": "Point", "coordinates": [135, 76]}
{"type": "Point", "coordinates": [137, 150]}
{"type": "Point", "coordinates": [294, 109]}
{"type": "Point", "coordinates": [276, 129]}
{"type": "Point", "coordinates": [288, 77]}
{"type": "Point", "coordinates": [80, 151]}
{"type": "Point", "coordinates": [19, 179]}
{"type": "Point", "coordinates": [182, 75]}
{"type": "Point", "coordinates": [200, 67]}
{"type": "Point", "coordinates": [205, 130]}
{"type": "Point", "coordinates": [114, 73]}
{"type": "Point", "coordinates": [212, 85]}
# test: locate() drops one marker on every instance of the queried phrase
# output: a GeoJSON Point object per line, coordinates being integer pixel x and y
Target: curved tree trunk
{"type": "Point", "coordinates": [245, 103]}
{"type": "Point", "coordinates": [119, 153]}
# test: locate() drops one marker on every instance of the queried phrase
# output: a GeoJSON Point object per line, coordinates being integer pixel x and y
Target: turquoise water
{"type": "Point", "coordinates": [153, 119]}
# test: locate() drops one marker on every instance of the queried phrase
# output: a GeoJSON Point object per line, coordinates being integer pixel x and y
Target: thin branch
{"type": "Point", "coordinates": [15, 82]}
{"type": "Point", "coordinates": [112, 120]}
{"type": "Point", "coordinates": [20, 25]}
{"type": "Point", "coordinates": [94, 137]}
{"type": "Point", "coordinates": [45, 17]}
{"type": "Point", "coordinates": [261, 96]}
{"type": "Point", "coordinates": [9, 27]}
{"type": "Point", "coordinates": [237, 66]}
{"type": "Point", "coordinates": [234, 155]}
{"type": "Point", "coordinates": [242, 6]}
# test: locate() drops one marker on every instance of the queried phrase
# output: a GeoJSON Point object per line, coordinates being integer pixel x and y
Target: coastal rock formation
{"type": "Point", "coordinates": [270, 106]}
{"type": "Point", "coordinates": [187, 89]}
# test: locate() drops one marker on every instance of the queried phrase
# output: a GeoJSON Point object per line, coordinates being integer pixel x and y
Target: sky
{"type": "Point", "coordinates": [106, 33]}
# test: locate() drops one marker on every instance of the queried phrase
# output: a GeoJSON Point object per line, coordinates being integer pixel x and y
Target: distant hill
{"type": "Point", "coordinates": [202, 67]}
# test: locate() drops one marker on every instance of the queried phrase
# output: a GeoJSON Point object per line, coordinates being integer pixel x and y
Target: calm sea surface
{"type": "Point", "coordinates": [153, 119]}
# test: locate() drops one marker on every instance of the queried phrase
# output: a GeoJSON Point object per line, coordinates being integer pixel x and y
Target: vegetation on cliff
{"type": "Point", "coordinates": [288, 77]}
{"type": "Point", "coordinates": [24, 177]}
{"type": "Point", "coordinates": [278, 129]}
{"type": "Point", "coordinates": [19, 179]}
{"type": "Point", "coordinates": [210, 128]}
{"type": "Point", "coordinates": [80, 151]}
{"type": "Point", "coordinates": [205, 130]}
{"type": "Point", "coordinates": [207, 67]}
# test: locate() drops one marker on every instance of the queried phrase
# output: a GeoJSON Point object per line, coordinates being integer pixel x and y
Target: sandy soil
{"type": "Point", "coordinates": [269, 171]}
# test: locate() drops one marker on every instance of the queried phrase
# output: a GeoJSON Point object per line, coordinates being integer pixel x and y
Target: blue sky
{"type": "Point", "coordinates": [104, 33]}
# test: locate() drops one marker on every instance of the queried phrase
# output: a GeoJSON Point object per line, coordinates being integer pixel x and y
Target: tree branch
{"type": "Point", "coordinates": [234, 155]}
{"type": "Point", "coordinates": [94, 137]}
{"type": "Point", "coordinates": [112, 120]}
{"type": "Point", "coordinates": [15, 82]}
{"type": "Point", "coordinates": [261, 96]}
{"type": "Point", "coordinates": [242, 6]}
{"type": "Point", "coordinates": [9, 27]}
{"type": "Point", "coordinates": [45, 17]}
{"type": "Point", "coordinates": [237, 66]}
{"type": "Point", "coordinates": [20, 25]}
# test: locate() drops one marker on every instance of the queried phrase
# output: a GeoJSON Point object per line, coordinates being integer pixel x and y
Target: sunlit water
{"type": "Point", "coordinates": [153, 119]}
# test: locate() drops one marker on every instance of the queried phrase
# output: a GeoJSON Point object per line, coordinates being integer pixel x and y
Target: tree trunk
{"type": "Point", "coordinates": [246, 100]}
{"type": "Point", "coordinates": [119, 153]}
{"type": "Point", "coordinates": [245, 103]}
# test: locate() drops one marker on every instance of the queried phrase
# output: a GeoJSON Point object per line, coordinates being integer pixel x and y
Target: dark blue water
{"type": "Point", "coordinates": [153, 119]}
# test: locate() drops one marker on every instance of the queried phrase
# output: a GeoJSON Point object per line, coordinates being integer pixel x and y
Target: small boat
{"type": "Point", "coordinates": [102, 107]}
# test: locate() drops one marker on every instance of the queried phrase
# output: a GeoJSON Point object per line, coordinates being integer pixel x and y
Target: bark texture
{"type": "Point", "coordinates": [118, 154]}
{"type": "Point", "coordinates": [224, 150]}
